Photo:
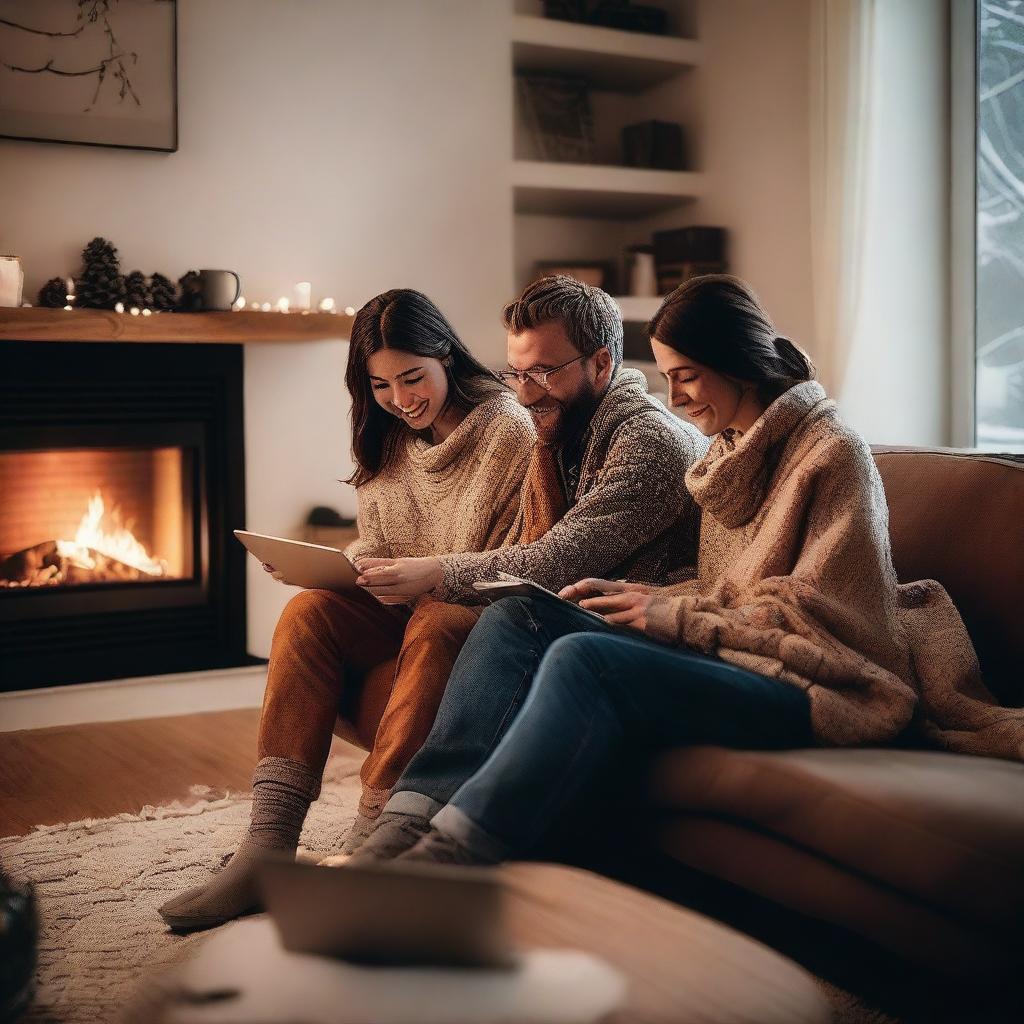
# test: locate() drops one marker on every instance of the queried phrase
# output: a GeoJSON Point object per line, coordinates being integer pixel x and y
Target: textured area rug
{"type": "Point", "coordinates": [99, 883]}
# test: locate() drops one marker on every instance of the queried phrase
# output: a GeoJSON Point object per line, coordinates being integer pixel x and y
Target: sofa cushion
{"type": "Point", "coordinates": [947, 829]}
{"type": "Point", "coordinates": [956, 517]}
{"type": "Point", "coordinates": [814, 887]}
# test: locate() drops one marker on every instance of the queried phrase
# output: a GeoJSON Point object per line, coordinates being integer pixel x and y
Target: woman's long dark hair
{"type": "Point", "coordinates": [407, 321]}
{"type": "Point", "coordinates": [718, 321]}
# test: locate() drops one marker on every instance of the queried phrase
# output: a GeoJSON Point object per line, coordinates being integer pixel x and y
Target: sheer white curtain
{"type": "Point", "coordinates": [842, 33]}
{"type": "Point", "coordinates": [891, 366]}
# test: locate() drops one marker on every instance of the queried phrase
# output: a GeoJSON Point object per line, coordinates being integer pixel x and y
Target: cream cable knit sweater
{"type": "Point", "coordinates": [796, 581]}
{"type": "Point", "coordinates": [632, 516]}
{"type": "Point", "coordinates": [459, 495]}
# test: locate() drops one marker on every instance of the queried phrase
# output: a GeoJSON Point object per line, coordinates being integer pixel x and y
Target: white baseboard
{"type": "Point", "coordinates": [119, 700]}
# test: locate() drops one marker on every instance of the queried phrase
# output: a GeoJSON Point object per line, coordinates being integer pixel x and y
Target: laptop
{"type": "Point", "coordinates": [390, 912]}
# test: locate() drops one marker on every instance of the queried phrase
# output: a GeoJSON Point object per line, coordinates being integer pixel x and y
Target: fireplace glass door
{"type": "Point", "coordinates": [97, 517]}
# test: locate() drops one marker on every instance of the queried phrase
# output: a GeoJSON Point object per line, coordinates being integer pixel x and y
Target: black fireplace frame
{"type": "Point", "coordinates": [57, 395]}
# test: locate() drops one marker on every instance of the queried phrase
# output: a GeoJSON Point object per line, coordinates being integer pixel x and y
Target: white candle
{"type": "Point", "coordinates": [282, 305]}
{"type": "Point", "coordinates": [302, 294]}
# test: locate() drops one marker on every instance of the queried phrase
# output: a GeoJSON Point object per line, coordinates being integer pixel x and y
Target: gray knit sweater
{"type": "Point", "coordinates": [631, 517]}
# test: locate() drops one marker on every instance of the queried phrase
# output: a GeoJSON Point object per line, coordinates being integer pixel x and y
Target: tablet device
{"type": "Point", "coordinates": [507, 585]}
{"type": "Point", "coordinates": [311, 566]}
{"type": "Point", "coordinates": [390, 912]}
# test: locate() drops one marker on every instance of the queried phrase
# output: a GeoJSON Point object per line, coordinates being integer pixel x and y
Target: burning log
{"type": "Point", "coordinates": [46, 565]}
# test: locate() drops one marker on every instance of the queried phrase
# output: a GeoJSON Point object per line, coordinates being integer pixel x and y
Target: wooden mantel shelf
{"type": "Point", "coordinates": [39, 324]}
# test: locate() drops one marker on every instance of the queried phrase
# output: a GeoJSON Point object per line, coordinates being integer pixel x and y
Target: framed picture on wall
{"type": "Point", "coordinates": [90, 72]}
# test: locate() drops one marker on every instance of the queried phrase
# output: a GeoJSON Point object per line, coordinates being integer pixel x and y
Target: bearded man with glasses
{"type": "Point", "coordinates": [611, 460]}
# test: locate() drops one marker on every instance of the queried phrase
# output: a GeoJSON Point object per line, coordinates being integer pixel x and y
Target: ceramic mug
{"type": "Point", "coordinates": [219, 289]}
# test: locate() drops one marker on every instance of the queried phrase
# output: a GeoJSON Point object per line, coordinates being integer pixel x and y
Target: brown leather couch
{"type": "Point", "coordinates": [921, 852]}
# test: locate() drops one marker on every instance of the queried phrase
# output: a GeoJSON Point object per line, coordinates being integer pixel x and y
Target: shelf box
{"type": "Point", "coordinates": [591, 190]}
{"type": "Point", "coordinates": [608, 58]}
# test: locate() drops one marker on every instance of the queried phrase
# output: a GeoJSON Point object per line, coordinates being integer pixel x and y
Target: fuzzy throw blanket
{"type": "Point", "coordinates": [796, 581]}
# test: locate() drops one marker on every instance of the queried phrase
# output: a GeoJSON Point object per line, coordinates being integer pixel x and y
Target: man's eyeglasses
{"type": "Point", "coordinates": [518, 378]}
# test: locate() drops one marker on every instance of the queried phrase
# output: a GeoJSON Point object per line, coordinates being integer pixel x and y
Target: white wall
{"type": "Point", "coordinates": [358, 145]}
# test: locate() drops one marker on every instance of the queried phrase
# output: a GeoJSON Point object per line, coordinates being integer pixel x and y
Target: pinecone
{"type": "Point", "coordinates": [100, 250]}
{"type": "Point", "coordinates": [136, 290]}
{"type": "Point", "coordinates": [163, 292]}
{"type": "Point", "coordinates": [54, 293]}
{"type": "Point", "coordinates": [101, 285]}
{"type": "Point", "coordinates": [99, 290]}
{"type": "Point", "coordinates": [191, 300]}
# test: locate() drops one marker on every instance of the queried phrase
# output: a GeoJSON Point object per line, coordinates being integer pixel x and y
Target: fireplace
{"type": "Point", "coordinates": [121, 477]}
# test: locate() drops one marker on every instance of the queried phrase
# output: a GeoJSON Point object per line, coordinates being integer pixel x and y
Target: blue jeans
{"type": "Point", "coordinates": [500, 767]}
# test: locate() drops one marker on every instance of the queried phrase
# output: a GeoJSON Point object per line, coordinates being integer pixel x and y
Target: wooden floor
{"type": "Point", "coordinates": [100, 769]}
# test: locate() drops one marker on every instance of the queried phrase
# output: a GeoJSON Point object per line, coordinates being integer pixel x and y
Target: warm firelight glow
{"type": "Point", "coordinates": [113, 540]}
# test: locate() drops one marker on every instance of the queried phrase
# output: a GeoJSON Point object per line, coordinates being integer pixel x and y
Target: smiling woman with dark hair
{"type": "Point", "coordinates": [441, 448]}
{"type": "Point", "coordinates": [794, 633]}
{"type": "Point", "coordinates": [444, 386]}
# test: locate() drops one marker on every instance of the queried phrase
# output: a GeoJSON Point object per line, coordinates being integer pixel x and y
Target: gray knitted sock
{"type": "Point", "coordinates": [361, 828]}
{"type": "Point", "coordinates": [282, 790]}
{"type": "Point", "coordinates": [392, 834]}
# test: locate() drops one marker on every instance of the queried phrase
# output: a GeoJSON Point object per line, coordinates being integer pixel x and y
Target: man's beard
{"type": "Point", "coordinates": [568, 419]}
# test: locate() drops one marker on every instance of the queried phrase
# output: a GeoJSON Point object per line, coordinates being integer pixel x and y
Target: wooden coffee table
{"type": "Point", "coordinates": [680, 967]}
{"type": "Point", "coordinates": [683, 968]}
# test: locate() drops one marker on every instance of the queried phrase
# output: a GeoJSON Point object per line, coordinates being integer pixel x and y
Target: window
{"type": "Point", "coordinates": [999, 227]}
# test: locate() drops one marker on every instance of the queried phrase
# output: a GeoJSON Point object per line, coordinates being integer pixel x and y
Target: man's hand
{"type": "Point", "coordinates": [398, 580]}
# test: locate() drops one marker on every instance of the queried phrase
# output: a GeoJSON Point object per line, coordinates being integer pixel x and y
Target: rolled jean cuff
{"type": "Point", "coordinates": [417, 804]}
{"type": "Point", "coordinates": [460, 827]}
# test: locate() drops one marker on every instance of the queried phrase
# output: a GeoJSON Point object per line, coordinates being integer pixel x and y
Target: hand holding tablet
{"type": "Point", "coordinates": [298, 564]}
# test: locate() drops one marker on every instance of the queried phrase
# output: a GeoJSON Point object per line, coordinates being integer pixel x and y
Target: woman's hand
{"type": "Point", "coordinates": [398, 580]}
{"type": "Point", "coordinates": [627, 608]}
{"type": "Point", "coordinates": [623, 604]}
{"type": "Point", "coordinates": [279, 576]}
{"type": "Point", "coordinates": [590, 587]}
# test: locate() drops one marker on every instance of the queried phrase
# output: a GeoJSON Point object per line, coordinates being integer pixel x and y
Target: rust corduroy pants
{"type": "Point", "coordinates": [371, 673]}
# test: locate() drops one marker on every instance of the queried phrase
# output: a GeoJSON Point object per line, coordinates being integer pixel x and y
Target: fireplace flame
{"type": "Point", "coordinates": [114, 541]}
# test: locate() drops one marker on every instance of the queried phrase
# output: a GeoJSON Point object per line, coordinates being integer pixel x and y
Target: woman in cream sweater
{"type": "Point", "coordinates": [441, 449]}
{"type": "Point", "coordinates": [795, 631]}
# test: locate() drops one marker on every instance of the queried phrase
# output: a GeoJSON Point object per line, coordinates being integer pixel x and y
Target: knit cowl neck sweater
{"type": "Point", "coordinates": [731, 481]}
{"type": "Point", "coordinates": [456, 496]}
{"type": "Point", "coordinates": [795, 581]}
